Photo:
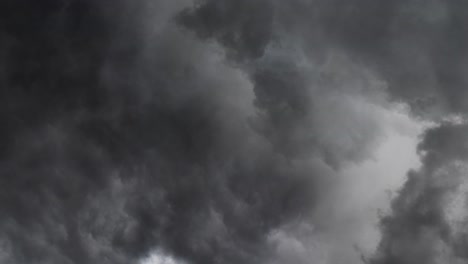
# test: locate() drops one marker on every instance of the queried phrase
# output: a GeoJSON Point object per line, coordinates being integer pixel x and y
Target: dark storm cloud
{"type": "Point", "coordinates": [111, 148]}
{"type": "Point", "coordinates": [123, 133]}
{"type": "Point", "coordinates": [416, 46]}
{"type": "Point", "coordinates": [244, 27]}
{"type": "Point", "coordinates": [419, 49]}
{"type": "Point", "coordinates": [288, 92]}
{"type": "Point", "coordinates": [201, 129]}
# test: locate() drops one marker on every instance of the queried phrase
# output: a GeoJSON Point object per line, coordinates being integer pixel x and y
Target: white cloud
{"type": "Point", "coordinates": [157, 257]}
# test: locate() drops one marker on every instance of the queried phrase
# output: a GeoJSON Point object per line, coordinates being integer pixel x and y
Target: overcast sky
{"type": "Point", "coordinates": [233, 131]}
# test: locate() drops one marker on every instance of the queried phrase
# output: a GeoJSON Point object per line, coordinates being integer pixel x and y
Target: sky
{"type": "Point", "coordinates": [233, 131]}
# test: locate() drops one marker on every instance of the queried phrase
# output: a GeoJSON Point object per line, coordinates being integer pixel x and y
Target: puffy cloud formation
{"type": "Point", "coordinates": [214, 131]}
{"type": "Point", "coordinates": [429, 216]}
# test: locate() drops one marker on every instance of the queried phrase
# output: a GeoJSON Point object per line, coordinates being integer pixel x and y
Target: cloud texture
{"type": "Point", "coordinates": [213, 131]}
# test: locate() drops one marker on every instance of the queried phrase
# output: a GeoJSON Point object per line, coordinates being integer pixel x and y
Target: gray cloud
{"type": "Point", "coordinates": [211, 130]}
{"type": "Point", "coordinates": [427, 221]}
{"type": "Point", "coordinates": [417, 48]}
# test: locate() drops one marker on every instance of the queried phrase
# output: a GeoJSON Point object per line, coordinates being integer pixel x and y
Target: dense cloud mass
{"type": "Point", "coordinates": [214, 131]}
{"type": "Point", "coordinates": [429, 221]}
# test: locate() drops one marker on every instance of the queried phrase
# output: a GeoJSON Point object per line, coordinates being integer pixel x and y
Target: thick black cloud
{"type": "Point", "coordinates": [244, 27]}
{"type": "Point", "coordinates": [197, 129]}
{"type": "Point", "coordinates": [110, 150]}
{"type": "Point", "coordinates": [124, 133]}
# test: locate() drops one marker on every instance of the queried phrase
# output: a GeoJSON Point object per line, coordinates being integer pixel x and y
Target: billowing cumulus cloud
{"type": "Point", "coordinates": [429, 216]}
{"type": "Point", "coordinates": [221, 131]}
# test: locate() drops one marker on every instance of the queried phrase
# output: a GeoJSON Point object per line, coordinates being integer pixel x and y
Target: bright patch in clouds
{"type": "Point", "coordinates": [158, 257]}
